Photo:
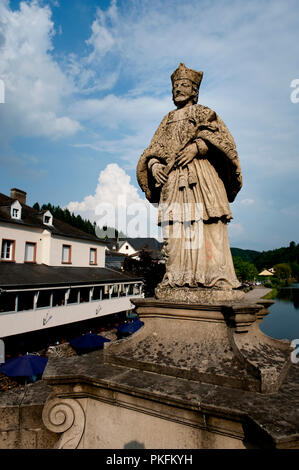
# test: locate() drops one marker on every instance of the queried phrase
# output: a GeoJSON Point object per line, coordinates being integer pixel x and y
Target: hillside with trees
{"type": "Point", "coordinates": [70, 218]}
{"type": "Point", "coordinates": [267, 259]}
{"type": "Point", "coordinates": [245, 255]}
{"type": "Point", "coordinates": [77, 221]}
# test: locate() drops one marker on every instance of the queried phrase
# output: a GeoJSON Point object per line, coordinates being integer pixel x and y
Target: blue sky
{"type": "Point", "coordinates": [88, 82]}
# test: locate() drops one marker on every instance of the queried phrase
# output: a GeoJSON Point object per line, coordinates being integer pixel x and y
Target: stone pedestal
{"type": "Point", "coordinates": [216, 344]}
{"type": "Point", "coordinates": [194, 376]}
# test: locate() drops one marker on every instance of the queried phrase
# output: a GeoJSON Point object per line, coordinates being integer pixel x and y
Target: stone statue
{"type": "Point", "coordinates": [191, 168]}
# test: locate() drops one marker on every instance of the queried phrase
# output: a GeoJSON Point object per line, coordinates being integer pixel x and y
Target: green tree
{"type": "Point", "coordinates": [295, 270]}
{"type": "Point", "coordinates": [283, 270]}
{"type": "Point", "coordinates": [150, 270]}
{"type": "Point", "coordinates": [245, 271]}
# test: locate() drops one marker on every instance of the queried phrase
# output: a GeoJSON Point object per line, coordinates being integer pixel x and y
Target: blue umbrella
{"type": "Point", "coordinates": [25, 366]}
{"type": "Point", "coordinates": [88, 342]}
{"type": "Point", "coordinates": [130, 328]}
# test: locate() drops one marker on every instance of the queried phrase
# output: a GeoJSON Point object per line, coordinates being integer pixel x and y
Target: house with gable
{"type": "Point", "coordinates": [52, 273]}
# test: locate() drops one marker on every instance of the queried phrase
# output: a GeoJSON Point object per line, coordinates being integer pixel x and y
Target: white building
{"type": "Point", "coordinates": [52, 273]}
{"type": "Point", "coordinates": [133, 246]}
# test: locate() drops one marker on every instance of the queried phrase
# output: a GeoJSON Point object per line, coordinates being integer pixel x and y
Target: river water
{"type": "Point", "coordinates": [283, 319]}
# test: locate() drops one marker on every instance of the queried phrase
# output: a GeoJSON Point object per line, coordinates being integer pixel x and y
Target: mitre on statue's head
{"type": "Point", "coordinates": [183, 72]}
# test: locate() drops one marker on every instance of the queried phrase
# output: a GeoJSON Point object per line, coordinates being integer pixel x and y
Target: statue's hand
{"type": "Point", "coordinates": [159, 174]}
{"type": "Point", "coordinates": [186, 155]}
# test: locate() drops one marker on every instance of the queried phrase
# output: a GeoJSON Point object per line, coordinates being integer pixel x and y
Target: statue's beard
{"type": "Point", "coordinates": [181, 101]}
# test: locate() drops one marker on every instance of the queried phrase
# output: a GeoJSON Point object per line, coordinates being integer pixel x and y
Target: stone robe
{"type": "Point", "coordinates": [194, 202]}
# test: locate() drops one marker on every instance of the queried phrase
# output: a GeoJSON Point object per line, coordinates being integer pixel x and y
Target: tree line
{"type": "Point", "coordinates": [77, 221]}
{"type": "Point", "coordinates": [284, 260]}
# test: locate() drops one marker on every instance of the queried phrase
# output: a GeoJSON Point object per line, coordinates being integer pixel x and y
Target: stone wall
{"type": "Point", "coordinates": [21, 425]}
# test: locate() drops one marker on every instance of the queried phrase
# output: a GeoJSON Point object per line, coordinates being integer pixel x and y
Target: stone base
{"type": "Point", "coordinates": [216, 344]}
{"type": "Point", "coordinates": [193, 377]}
{"type": "Point", "coordinates": [198, 295]}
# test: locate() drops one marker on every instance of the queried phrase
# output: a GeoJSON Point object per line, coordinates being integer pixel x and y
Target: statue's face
{"type": "Point", "coordinates": [182, 93]}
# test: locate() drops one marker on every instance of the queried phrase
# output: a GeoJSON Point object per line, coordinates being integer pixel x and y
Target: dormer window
{"type": "Point", "coordinates": [16, 210]}
{"type": "Point", "coordinates": [48, 218]}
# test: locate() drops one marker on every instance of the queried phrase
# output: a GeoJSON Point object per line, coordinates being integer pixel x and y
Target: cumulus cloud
{"type": "Point", "coordinates": [35, 85]}
{"type": "Point", "coordinates": [247, 202]}
{"type": "Point", "coordinates": [116, 203]}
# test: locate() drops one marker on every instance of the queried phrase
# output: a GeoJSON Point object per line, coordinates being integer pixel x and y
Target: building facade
{"type": "Point", "coordinates": [53, 274]}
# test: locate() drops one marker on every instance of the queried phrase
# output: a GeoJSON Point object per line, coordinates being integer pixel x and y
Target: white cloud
{"type": "Point", "coordinates": [35, 85]}
{"type": "Point", "coordinates": [102, 39]}
{"type": "Point", "coordinates": [114, 112]}
{"type": "Point", "coordinates": [124, 125]}
{"type": "Point", "coordinates": [116, 203]}
{"type": "Point", "coordinates": [246, 202]}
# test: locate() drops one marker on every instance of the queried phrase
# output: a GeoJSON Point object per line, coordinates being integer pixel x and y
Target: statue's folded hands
{"type": "Point", "coordinates": [186, 155]}
{"type": "Point", "coordinates": [158, 173]}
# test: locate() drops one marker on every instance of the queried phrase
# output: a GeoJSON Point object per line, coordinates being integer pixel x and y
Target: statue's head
{"type": "Point", "coordinates": [185, 85]}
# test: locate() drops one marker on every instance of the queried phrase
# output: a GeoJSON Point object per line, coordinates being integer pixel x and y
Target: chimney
{"type": "Point", "coordinates": [18, 194]}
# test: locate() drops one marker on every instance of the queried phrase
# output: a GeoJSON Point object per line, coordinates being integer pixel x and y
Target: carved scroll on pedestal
{"type": "Point", "coordinates": [65, 416]}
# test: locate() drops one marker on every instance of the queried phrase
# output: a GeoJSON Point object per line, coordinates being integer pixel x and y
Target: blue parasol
{"type": "Point", "coordinates": [25, 366]}
{"type": "Point", "coordinates": [88, 342]}
{"type": "Point", "coordinates": [130, 328]}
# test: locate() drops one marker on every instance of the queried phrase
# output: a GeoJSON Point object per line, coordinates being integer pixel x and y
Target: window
{"type": "Point", "coordinates": [93, 256]}
{"type": "Point", "coordinates": [66, 254]}
{"type": "Point", "coordinates": [130, 289]}
{"type": "Point", "coordinates": [16, 210]}
{"type": "Point", "coordinates": [58, 297]}
{"type": "Point", "coordinates": [106, 292]}
{"type": "Point", "coordinates": [122, 290]}
{"type": "Point", "coordinates": [25, 301]}
{"type": "Point", "coordinates": [84, 294]}
{"type": "Point", "coordinates": [30, 252]}
{"type": "Point", "coordinates": [48, 218]}
{"type": "Point", "coordinates": [8, 250]}
{"type": "Point", "coordinates": [7, 302]}
{"type": "Point", "coordinates": [115, 291]}
{"type": "Point", "coordinates": [44, 299]}
{"type": "Point", "coordinates": [97, 293]}
{"type": "Point", "coordinates": [74, 296]}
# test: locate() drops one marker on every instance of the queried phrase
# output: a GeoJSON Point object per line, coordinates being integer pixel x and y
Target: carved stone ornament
{"type": "Point", "coordinates": [63, 415]}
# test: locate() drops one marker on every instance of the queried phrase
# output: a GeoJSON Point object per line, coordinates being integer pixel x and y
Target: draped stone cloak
{"type": "Point", "coordinates": [210, 182]}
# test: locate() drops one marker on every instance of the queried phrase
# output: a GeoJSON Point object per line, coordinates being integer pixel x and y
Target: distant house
{"type": "Point", "coordinates": [133, 246]}
{"type": "Point", "coordinates": [267, 272]}
{"type": "Point", "coordinates": [52, 273]}
{"type": "Point", "coordinates": [115, 260]}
